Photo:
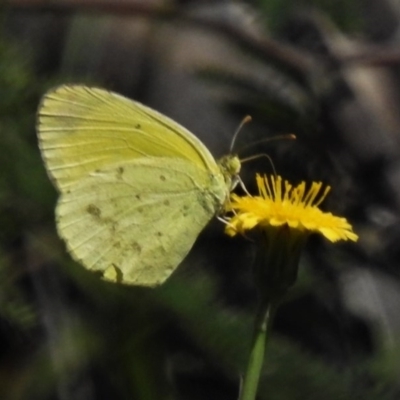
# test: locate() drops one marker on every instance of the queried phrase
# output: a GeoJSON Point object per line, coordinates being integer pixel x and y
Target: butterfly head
{"type": "Point", "coordinates": [230, 166]}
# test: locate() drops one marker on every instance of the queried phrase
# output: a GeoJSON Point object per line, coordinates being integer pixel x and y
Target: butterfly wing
{"type": "Point", "coordinates": [83, 129]}
{"type": "Point", "coordinates": [136, 187]}
{"type": "Point", "coordinates": [136, 222]}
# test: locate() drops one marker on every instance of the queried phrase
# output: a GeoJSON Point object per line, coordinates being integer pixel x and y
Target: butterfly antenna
{"type": "Point", "coordinates": [245, 120]}
{"type": "Point", "coordinates": [289, 136]}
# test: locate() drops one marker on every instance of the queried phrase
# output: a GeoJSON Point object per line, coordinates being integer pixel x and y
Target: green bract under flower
{"type": "Point", "coordinates": [279, 203]}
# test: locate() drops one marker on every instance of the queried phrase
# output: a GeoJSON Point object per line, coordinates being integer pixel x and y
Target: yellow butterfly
{"type": "Point", "coordinates": [136, 188]}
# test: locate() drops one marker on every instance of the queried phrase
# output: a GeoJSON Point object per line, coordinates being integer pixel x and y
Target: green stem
{"type": "Point", "coordinates": [261, 334]}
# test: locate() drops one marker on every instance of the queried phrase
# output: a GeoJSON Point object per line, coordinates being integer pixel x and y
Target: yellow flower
{"type": "Point", "coordinates": [280, 204]}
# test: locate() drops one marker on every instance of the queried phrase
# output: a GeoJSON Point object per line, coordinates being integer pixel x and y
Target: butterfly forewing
{"type": "Point", "coordinates": [82, 129]}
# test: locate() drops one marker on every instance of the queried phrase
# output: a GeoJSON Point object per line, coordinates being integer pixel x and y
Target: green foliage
{"type": "Point", "coordinates": [24, 188]}
{"type": "Point", "coordinates": [18, 180]}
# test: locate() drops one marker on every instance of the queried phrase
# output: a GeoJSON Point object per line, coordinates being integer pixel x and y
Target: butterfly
{"type": "Point", "coordinates": [136, 188]}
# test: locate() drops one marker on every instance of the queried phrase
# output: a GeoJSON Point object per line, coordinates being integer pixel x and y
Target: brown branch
{"type": "Point", "coordinates": [297, 63]}
{"type": "Point", "coordinates": [286, 57]}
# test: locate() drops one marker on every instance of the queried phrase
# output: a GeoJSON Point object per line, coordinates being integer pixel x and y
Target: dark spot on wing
{"type": "Point", "coordinates": [120, 172]}
{"type": "Point", "coordinates": [166, 203]}
{"type": "Point", "coordinates": [138, 196]}
{"type": "Point", "coordinates": [93, 210]}
{"type": "Point", "coordinates": [136, 247]}
{"type": "Point", "coordinates": [138, 126]}
{"type": "Point", "coordinates": [163, 178]}
{"type": "Point", "coordinates": [159, 234]}
{"type": "Point", "coordinates": [113, 226]}
{"type": "Point", "coordinates": [185, 210]}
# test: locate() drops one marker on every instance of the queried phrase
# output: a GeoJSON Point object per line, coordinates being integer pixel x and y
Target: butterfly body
{"type": "Point", "coordinates": [136, 188]}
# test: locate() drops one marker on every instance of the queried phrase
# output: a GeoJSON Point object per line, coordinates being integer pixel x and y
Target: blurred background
{"type": "Point", "coordinates": [327, 71]}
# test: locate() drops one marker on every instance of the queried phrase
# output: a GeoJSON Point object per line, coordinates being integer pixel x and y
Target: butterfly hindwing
{"type": "Point", "coordinates": [139, 219]}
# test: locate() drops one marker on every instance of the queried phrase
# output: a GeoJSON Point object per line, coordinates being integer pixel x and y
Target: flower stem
{"type": "Point", "coordinates": [262, 330]}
